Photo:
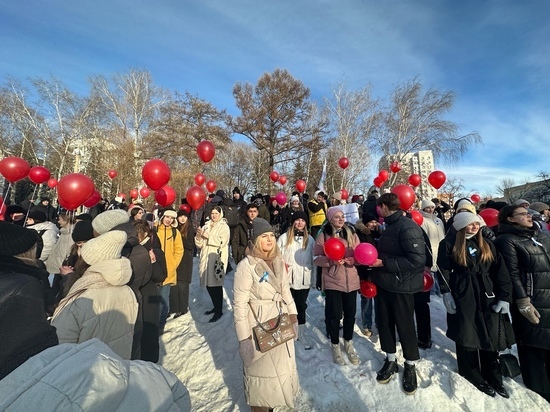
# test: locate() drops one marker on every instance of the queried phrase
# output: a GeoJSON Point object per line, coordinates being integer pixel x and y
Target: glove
{"type": "Point", "coordinates": [449, 303]}
{"type": "Point", "coordinates": [527, 309]}
{"type": "Point", "coordinates": [246, 350]}
{"type": "Point", "coordinates": [502, 307]}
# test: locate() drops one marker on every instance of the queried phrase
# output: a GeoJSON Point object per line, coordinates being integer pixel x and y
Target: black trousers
{"type": "Point", "coordinates": [422, 316]}
{"type": "Point", "coordinates": [216, 294]}
{"type": "Point", "coordinates": [337, 302]}
{"type": "Point", "coordinates": [300, 299]}
{"type": "Point", "coordinates": [396, 310]}
{"type": "Point", "coordinates": [535, 369]}
{"type": "Point", "coordinates": [477, 365]}
{"type": "Point", "coordinates": [179, 297]}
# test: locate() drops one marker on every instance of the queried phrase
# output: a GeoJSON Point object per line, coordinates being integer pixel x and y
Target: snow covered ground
{"type": "Point", "coordinates": [205, 358]}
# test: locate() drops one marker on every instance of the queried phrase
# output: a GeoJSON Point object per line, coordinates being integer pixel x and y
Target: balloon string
{"type": "Point", "coordinates": [29, 209]}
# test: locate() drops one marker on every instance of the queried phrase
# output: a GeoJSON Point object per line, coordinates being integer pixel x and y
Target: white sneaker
{"type": "Point", "coordinates": [337, 354]}
{"type": "Point", "coordinates": [302, 337]}
{"type": "Point", "coordinates": [350, 350]}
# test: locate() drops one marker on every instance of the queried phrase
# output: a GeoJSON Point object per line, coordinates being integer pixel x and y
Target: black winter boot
{"type": "Point", "coordinates": [409, 379]}
{"type": "Point", "coordinates": [387, 371]}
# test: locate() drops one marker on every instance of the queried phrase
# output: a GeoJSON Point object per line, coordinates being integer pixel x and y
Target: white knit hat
{"type": "Point", "coordinates": [520, 202]}
{"type": "Point", "coordinates": [105, 247]}
{"type": "Point", "coordinates": [426, 203]}
{"type": "Point", "coordinates": [461, 220]}
{"type": "Point", "coordinates": [107, 220]}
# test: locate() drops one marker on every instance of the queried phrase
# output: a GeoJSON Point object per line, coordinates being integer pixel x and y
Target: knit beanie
{"type": "Point", "coordinates": [236, 190]}
{"type": "Point", "coordinates": [461, 220]}
{"type": "Point", "coordinates": [539, 207]}
{"type": "Point", "coordinates": [337, 195]}
{"type": "Point", "coordinates": [82, 231]}
{"type": "Point", "coordinates": [294, 199]}
{"type": "Point", "coordinates": [85, 216]}
{"type": "Point", "coordinates": [368, 217]}
{"type": "Point", "coordinates": [332, 211]}
{"type": "Point", "coordinates": [299, 215]}
{"type": "Point", "coordinates": [260, 226]}
{"type": "Point", "coordinates": [15, 239]}
{"type": "Point", "coordinates": [109, 219]}
{"type": "Point", "coordinates": [183, 212]}
{"type": "Point", "coordinates": [105, 247]}
{"type": "Point", "coordinates": [468, 207]}
{"type": "Point", "coordinates": [38, 216]}
{"type": "Point", "coordinates": [426, 203]}
{"type": "Point", "coordinates": [520, 202]}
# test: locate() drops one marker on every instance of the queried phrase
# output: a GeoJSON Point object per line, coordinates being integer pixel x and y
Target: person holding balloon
{"type": "Point", "coordinates": [477, 292]}
{"type": "Point", "coordinates": [398, 276]}
{"type": "Point", "coordinates": [333, 252]}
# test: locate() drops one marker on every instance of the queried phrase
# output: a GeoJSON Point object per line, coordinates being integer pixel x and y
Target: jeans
{"type": "Point", "coordinates": [366, 312]}
{"type": "Point", "coordinates": [164, 292]}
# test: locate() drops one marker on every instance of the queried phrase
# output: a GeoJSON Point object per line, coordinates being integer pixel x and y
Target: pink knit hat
{"type": "Point", "coordinates": [332, 211]}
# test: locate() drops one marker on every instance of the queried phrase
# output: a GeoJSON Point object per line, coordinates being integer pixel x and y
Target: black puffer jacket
{"type": "Point", "coordinates": [402, 251]}
{"type": "Point", "coordinates": [526, 253]}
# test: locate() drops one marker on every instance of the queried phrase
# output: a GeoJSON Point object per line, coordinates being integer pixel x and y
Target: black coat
{"type": "Point", "coordinates": [241, 236]}
{"type": "Point", "coordinates": [185, 268]}
{"type": "Point", "coordinates": [529, 266]}
{"type": "Point", "coordinates": [402, 251]}
{"type": "Point", "coordinates": [475, 289]}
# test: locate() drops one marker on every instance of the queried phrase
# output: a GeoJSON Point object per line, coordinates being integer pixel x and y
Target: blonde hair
{"type": "Point", "coordinates": [290, 237]}
{"type": "Point", "coordinates": [459, 248]}
{"type": "Point", "coordinates": [272, 253]}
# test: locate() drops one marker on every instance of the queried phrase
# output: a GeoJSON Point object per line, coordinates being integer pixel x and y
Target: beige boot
{"type": "Point", "coordinates": [350, 350]}
{"type": "Point", "coordinates": [337, 354]}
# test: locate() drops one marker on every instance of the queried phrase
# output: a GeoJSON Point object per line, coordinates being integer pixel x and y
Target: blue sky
{"type": "Point", "coordinates": [494, 54]}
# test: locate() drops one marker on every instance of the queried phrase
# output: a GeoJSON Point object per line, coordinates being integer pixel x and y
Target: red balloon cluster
{"type": "Point", "coordinates": [415, 180]}
{"type": "Point", "coordinates": [165, 196]}
{"type": "Point", "coordinates": [437, 178]}
{"type": "Point", "coordinates": [39, 174]}
{"type": "Point", "coordinates": [195, 197]}
{"type": "Point", "coordinates": [490, 216]}
{"type": "Point", "coordinates": [112, 173]}
{"type": "Point", "coordinates": [14, 168]}
{"type": "Point", "coordinates": [417, 217]}
{"type": "Point", "coordinates": [274, 176]}
{"type": "Point", "coordinates": [155, 174]}
{"type": "Point", "coordinates": [365, 254]}
{"type": "Point", "coordinates": [93, 200]}
{"type": "Point", "coordinates": [395, 167]}
{"type": "Point", "coordinates": [74, 189]}
{"type": "Point", "coordinates": [367, 289]}
{"type": "Point", "coordinates": [206, 150]}
{"type": "Point", "coordinates": [378, 182]}
{"type": "Point", "coordinates": [406, 196]}
{"type": "Point", "coordinates": [383, 174]}
{"type": "Point", "coordinates": [343, 162]}
{"type": "Point", "coordinates": [334, 249]}
{"type": "Point", "coordinates": [301, 185]}
{"type": "Point", "coordinates": [475, 198]}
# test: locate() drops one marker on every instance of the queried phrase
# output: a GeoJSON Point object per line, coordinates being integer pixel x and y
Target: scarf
{"type": "Point", "coordinates": [90, 280]}
{"type": "Point", "coordinates": [259, 254]}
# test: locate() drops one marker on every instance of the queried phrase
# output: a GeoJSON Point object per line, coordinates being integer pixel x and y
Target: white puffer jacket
{"type": "Point", "coordinates": [299, 261]}
{"type": "Point", "coordinates": [90, 377]}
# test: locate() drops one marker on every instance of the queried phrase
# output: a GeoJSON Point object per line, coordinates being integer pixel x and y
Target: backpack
{"type": "Point", "coordinates": [232, 215]}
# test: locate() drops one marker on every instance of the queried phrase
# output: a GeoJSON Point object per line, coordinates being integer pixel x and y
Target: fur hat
{"type": "Point", "coordinates": [461, 220]}
{"type": "Point", "coordinates": [426, 203]}
{"type": "Point", "coordinates": [170, 213]}
{"type": "Point", "coordinates": [259, 227]}
{"type": "Point", "coordinates": [520, 202]}
{"type": "Point", "coordinates": [38, 216]}
{"type": "Point", "coordinates": [109, 219]}
{"type": "Point", "coordinates": [539, 207]}
{"type": "Point", "coordinates": [332, 211]}
{"type": "Point", "coordinates": [105, 247]}
{"type": "Point", "coordinates": [83, 231]}
{"type": "Point", "coordinates": [15, 239]}
{"type": "Point", "coordinates": [299, 215]}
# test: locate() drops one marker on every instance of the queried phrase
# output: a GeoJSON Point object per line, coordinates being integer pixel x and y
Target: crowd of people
{"type": "Point", "coordinates": [107, 281]}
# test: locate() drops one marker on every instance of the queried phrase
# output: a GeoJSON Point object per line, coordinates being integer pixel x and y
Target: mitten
{"type": "Point", "coordinates": [502, 307]}
{"type": "Point", "coordinates": [449, 303]}
{"type": "Point", "coordinates": [246, 350]}
{"type": "Point", "coordinates": [527, 309]}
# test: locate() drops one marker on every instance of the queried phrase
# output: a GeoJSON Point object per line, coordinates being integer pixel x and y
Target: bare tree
{"type": "Point", "coordinates": [453, 189]}
{"type": "Point", "coordinates": [414, 121]}
{"type": "Point", "coordinates": [503, 188]}
{"type": "Point", "coordinates": [276, 115]}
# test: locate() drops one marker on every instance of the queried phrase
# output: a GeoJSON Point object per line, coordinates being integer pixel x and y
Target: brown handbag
{"type": "Point", "coordinates": [273, 332]}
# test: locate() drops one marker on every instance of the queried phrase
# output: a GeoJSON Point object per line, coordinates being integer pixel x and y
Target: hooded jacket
{"type": "Point", "coordinates": [299, 261]}
{"type": "Point", "coordinates": [106, 310]}
{"type": "Point", "coordinates": [218, 238]}
{"type": "Point", "coordinates": [171, 244]}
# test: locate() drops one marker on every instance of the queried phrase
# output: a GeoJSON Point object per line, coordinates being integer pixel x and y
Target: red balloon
{"type": "Point", "coordinates": [343, 162]}
{"type": "Point", "coordinates": [52, 183]}
{"type": "Point", "coordinates": [301, 186]}
{"type": "Point", "coordinates": [14, 168]}
{"type": "Point", "coordinates": [383, 175]}
{"type": "Point", "coordinates": [274, 176]}
{"type": "Point", "coordinates": [75, 189]}
{"type": "Point", "coordinates": [134, 193]}
{"type": "Point", "coordinates": [475, 198]}
{"type": "Point", "coordinates": [335, 249]}
{"type": "Point", "coordinates": [344, 193]}
{"type": "Point", "coordinates": [165, 196]}
{"type": "Point", "coordinates": [200, 179]}
{"type": "Point", "coordinates": [415, 180]}
{"type": "Point", "coordinates": [211, 186]}
{"type": "Point", "coordinates": [365, 254]}
{"type": "Point", "coordinates": [206, 150]}
{"type": "Point", "coordinates": [428, 281]}
{"type": "Point", "coordinates": [417, 217]}
{"type": "Point", "coordinates": [406, 196]}
{"type": "Point", "coordinates": [282, 180]}
{"type": "Point", "coordinates": [155, 174]}
{"type": "Point", "coordinates": [281, 198]}
{"type": "Point", "coordinates": [368, 289]}
{"type": "Point", "coordinates": [395, 167]}
{"type": "Point", "coordinates": [195, 197]}
{"type": "Point", "coordinates": [377, 181]}
{"type": "Point", "coordinates": [93, 200]}
{"type": "Point", "coordinates": [112, 173]}
{"type": "Point", "coordinates": [436, 179]}
{"type": "Point", "coordinates": [489, 215]}
{"type": "Point", "coordinates": [144, 192]}
{"type": "Point", "coordinates": [39, 174]}
{"type": "Point", "coordinates": [185, 207]}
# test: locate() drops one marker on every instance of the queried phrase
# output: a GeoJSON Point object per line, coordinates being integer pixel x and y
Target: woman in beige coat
{"type": "Point", "coordinates": [261, 286]}
{"type": "Point", "coordinates": [211, 238]}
